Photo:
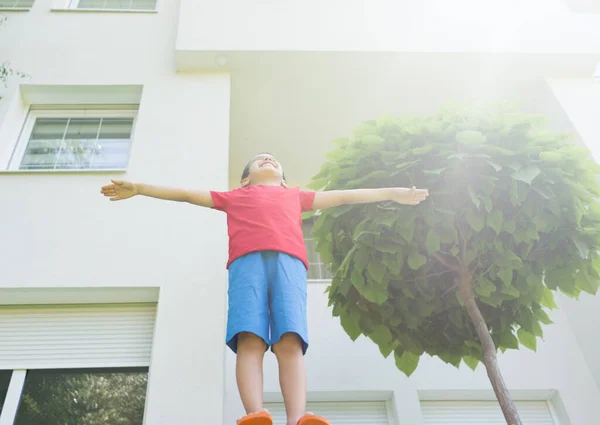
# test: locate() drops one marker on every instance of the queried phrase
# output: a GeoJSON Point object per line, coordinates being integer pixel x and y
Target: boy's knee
{"type": "Point", "coordinates": [289, 344]}
{"type": "Point", "coordinates": [247, 341]}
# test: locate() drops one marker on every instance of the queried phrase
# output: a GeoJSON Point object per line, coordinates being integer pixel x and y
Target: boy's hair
{"type": "Point", "coordinates": [246, 171]}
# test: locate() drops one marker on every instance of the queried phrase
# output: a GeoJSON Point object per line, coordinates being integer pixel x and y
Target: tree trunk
{"type": "Point", "coordinates": [489, 351]}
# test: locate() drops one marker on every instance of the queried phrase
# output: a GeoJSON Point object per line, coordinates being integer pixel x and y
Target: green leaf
{"type": "Point", "coordinates": [405, 165]}
{"type": "Point", "coordinates": [527, 339]}
{"type": "Point", "coordinates": [433, 241]}
{"type": "Point", "coordinates": [407, 233]}
{"type": "Point", "coordinates": [495, 220]}
{"type": "Point", "coordinates": [484, 288]}
{"type": "Point", "coordinates": [475, 220]}
{"type": "Point", "coordinates": [350, 324]}
{"type": "Point", "coordinates": [537, 329]}
{"type": "Point", "coordinates": [376, 271]}
{"type": "Point", "coordinates": [509, 340]}
{"type": "Point", "coordinates": [470, 361]}
{"type": "Point", "coordinates": [416, 260]}
{"type": "Point", "coordinates": [506, 274]}
{"type": "Point", "coordinates": [473, 196]}
{"type": "Point", "coordinates": [407, 362]}
{"type": "Point", "coordinates": [510, 291]}
{"type": "Point", "coordinates": [422, 151]}
{"type": "Point", "coordinates": [547, 299]}
{"type": "Point", "coordinates": [361, 259]}
{"type": "Point", "coordinates": [543, 317]}
{"type": "Point", "coordinates": [586, 283]}
{"type": "Point", "coordinates": [497, 167]}
{"type": "Point", "coordinates": [470, 137]}
{"type": "Point", "coordinates": [382, 336]}
{"type": "Point", "coordinates": [455, 316]}
{"type": "Point", "coordinates": [526, 174]}
{"type": "Point", "coordinates": [509, 226]}
{"type": "Point", "coordinates": [552, 157]}
{"type": "Point", "coordinates": [582, 247]}
{"type": "Point", "coordinates": [437, 171]}
{"type": "Point", "coordinates": [487, 204]}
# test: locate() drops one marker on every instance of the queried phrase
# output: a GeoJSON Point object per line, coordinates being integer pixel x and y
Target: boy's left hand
{"type": "Point", "coordinates": [412, 196]}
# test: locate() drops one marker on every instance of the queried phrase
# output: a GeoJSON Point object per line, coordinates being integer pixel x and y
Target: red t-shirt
{"type": "Point", "coordinates": [264, 218]}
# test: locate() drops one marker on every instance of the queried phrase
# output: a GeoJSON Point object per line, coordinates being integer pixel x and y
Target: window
{"type": "Point", "coordinates": [317, 270]}
{"type": "Point", "coordinates": [16, 4]}
{"type": "Point", "coordinates": [484, 412]}
{"type": "Point", "coordinates": [4, 381]}
{"type": "Point", "coordinates": [75, 364]}
{"type": "Point", "coordinates": [75, 139]}
{"type": "Point", "coordinates": [80, 396]}
{"type": "Point", "coordinates": [114, 4]}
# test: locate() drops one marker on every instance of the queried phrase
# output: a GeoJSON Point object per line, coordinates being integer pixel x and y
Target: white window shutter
{"type": "Point", "coordinates": [51, 337]}
{"type": "Point", "coordinates": [483, 412]}
{"type": "Point", "coordinates": [339, 413]}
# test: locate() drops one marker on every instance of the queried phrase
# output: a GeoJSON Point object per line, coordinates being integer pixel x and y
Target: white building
{"type": "Point", "coordinates": [183, 93]}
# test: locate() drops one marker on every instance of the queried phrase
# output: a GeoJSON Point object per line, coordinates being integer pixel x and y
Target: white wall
{"type": "Point", "coordinates": [56, 230]}
{"type": "Point", "coordinates": [535, 26]}
{"type": "Point", "coordinates": [337, 365]}
{"type": "Point", "coordinates": [580, 100]}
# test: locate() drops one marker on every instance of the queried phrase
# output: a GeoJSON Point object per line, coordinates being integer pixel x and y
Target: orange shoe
{"type": "Point", "coordinates": [260, 418]}
{"type": "Point", "coordinates": [310, 419]}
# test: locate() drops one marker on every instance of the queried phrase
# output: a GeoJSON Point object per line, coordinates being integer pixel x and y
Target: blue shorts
{"type": "Point", "coordinates": [267, 297]}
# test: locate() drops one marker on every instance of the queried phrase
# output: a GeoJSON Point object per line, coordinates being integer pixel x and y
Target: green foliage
{"type": "Point", "coordinates": [75, 398]}
{"type": "Point", "coordinates": [511, 202]}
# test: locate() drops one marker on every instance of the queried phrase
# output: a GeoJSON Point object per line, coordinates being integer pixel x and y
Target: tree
{"type": "Point", "coordinates": [511, 218]}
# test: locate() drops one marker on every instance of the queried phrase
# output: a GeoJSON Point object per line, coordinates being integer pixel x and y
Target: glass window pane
{"type": "Point", "coordinates": [83, 397]}
{"type": "Point", "coordinates": [16, 3]}
{"type": "Point", "coordinates": [316, 270]}
{"type": "Point", "coordinates": [78, 147]}
{"type": "Point", "coordinates": [78, 144]}
{"type": "Point", "coordinates": [112, 150]}
{"type": "Point", "coordinates": [44, 143]}
{"type": "Point", "coordinates": [4, 381]}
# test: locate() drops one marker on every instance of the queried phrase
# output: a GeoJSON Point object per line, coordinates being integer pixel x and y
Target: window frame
{"type": "Point", "coordinates": [91, 111]}
{"type": "Point", "coordinates": [74, 5]}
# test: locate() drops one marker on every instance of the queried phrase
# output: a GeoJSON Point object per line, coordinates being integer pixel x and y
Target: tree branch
{"type": "Point", "coordinates": [429, 275]}
{"type": "Point", "coordinates": [454, 267]}
{"type": "Point", "coordinates": [449, 290]}
{"type": "Point", "coordinates": [463, 242]}
{"type": "Point", "coordinates": [489, 350]}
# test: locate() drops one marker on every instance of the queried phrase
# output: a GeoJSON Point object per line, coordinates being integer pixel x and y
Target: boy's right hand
{"type": "Point", "coordinates": [119, 189]}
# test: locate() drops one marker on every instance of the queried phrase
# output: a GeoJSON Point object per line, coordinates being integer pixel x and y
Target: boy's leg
{"type": "Point", "coordinates": [248, 326]}
{"type": "Point", "coordinates": [249, 371]}
{"type": "Point", "coordinates": [292, 375]}
{"type": "Point", "coordinates": [289, 333]}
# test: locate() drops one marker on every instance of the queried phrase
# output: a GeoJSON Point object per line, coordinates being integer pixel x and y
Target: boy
{"type": "Point", "coordinates": [267, 273]}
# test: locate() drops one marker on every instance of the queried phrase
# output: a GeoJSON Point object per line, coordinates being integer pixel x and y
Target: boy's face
{"type": "Point", "coordinates": [264, 167]}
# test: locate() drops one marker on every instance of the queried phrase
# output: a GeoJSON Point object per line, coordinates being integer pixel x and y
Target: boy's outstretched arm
{"type": "Point", "coordinates": [402, 195]}
{"type": "Point", "coordinates": [119, 190]}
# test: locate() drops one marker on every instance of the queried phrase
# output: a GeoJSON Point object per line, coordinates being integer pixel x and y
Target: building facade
{"type": "Point", "coordinates": [119, 308]}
